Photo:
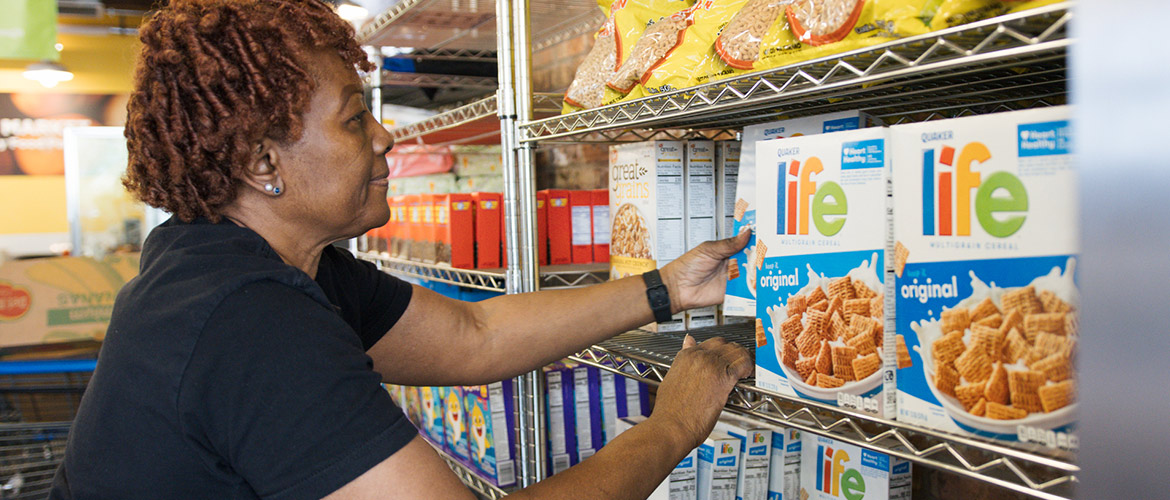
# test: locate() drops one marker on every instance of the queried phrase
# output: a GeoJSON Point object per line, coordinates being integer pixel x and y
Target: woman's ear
{"type": "Point", "coordinates": [263, 170]}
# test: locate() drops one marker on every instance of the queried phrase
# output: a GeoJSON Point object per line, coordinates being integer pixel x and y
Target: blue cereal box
{"type": "Point", "coordinates": [491, 440]}
{"type": "Point", "coordinates": [836, 470]}
{"type": "Point", "coordinates": [821, 270]}
{"type": "Point", "coordinates": [784, 477]}
{"type": "Point", "coordinates": [741, 287]}
{"type": "Point", "coordinates": [986, 239]}
{"type": "Point", "coordinates": [431, 414]}
{"type": "Point", "coordinates": [455, 424]}
{"type": "Point", "coordinates": [587, 410]}
{"type": "Point", "coordinates": [562, 427]}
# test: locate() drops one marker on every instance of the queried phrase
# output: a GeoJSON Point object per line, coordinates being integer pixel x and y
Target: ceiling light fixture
{"type": "Point", "coordinates": [351, 11]}
{"type": "Point", "coordinates": [47, 73]}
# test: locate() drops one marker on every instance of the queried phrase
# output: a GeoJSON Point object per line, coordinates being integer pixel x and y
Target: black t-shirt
{"type": "Point", "coordinates": [228, 374]}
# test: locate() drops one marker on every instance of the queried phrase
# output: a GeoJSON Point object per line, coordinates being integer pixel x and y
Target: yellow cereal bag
{"type": "Point", "coordinates": [1017, 6]}
{"type": "Point", "coordinates": [646, 31]}
{"type": "Point", "coordinates": [695, 60]}
{"type": "Point", "coordinates": [588, 87]}
{"type": "Point", "coordinates": [951, 13]}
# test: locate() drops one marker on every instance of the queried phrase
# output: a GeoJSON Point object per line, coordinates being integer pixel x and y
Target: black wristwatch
{"type": "Point", "coordinates": [658, 296]}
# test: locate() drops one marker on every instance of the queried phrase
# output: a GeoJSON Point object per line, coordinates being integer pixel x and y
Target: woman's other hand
{"type": "Point", "coordinates": [699, 277]}
{"type": "Point", "coordinates": [695, 389]}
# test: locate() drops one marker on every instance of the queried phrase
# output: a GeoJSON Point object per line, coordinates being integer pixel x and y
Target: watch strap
{"type": "Point", "coordinates": [658, 296]}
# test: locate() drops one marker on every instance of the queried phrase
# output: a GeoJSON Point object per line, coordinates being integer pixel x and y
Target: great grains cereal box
{"type": "Point", "coordinates": [740, 299]}
{"type": "Point", "coordinates": [647, 206]}
{"type": "Point", "coordinates": [836, 470]}
{"type": "Point", "coordinates": [491, 442]}
{"type": "Point", "coordinates": [985, 263]}
{"type": "Point", "coordinates": [702, 223]}
{"type": "Point", "coordinates": [820, 262]}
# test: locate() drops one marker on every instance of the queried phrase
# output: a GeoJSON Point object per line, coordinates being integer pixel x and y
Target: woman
{"type": "Point", "coordinates": [245, 360]}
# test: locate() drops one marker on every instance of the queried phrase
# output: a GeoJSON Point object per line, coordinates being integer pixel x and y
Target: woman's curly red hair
{"type": "Point", "coordinates": [214, 78]}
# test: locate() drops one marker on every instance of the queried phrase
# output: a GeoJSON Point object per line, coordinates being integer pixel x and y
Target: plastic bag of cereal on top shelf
{"type": "Point", "coordinates": [588, 87]}
{"type": "Point", "coordinates": [694, 61]}
{"type": "Point", "coordinates": [1017, 5]}
{"type": "Point", "coordinates": [647, 33]}
{"type": "Point", "coordinates": [945, 14]}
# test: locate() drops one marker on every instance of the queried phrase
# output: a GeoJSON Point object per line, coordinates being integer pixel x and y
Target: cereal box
{"type": "Point", "coordinates": [581, 218]}
{"type": "Point", "coordinates": [633, 398]}
{"type": "Point", "coordinates": [755, 457]}
{"type": "Point", "coordinates": [741, 286]}
{"type": "Point", "coordinates": [718, 467]}
{"type": "Point", "coordinates": [560, 227]}
{"type": "Point", "coordinates": [835, 470]}
{"type": "Point", "coordinates": [488, 207]}
{"type": "Point", "coordinates": [587, 410]}
{"type": "Point", "coordinates": [985, 264]}
{"type": "Point", "coordinates": [784, 474]}
{"type": "Point", "coordinates": [431, 401]}
{"type": "Point", "coordinates": [600, 225]}
{"type": "Point", "coordinates": [609, 418]}
{"type": "Point", "coordinates": [562, 430]}
{"type": "Point", "coordinates": [455, 424]}
{"type": "Point", "coordinates": [681, 483]}
{"type": "Point", "coordinates": [699, 170]}
{"type": "Point", "coordinates": [821, 233]}
{"type": "Point", "coordinates": [647, 208]}
{"type": "Point", "coordinates": [542, 227]}
{"type": "Point", "coordinates": [491, 441]}
{"type": "Point", "coordinates": [727, 154]}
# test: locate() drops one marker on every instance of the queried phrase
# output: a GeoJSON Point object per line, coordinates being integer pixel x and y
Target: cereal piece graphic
{"type": "Point", "coordinates": [1071, 324]}
{"type": "Point", "coordinates": [974, 365]}
{"type": "Point", "coordinates": [993, 321]}
{"type": "Point", "coordinates": [956, 320]}
{"type": "Point", "coordinates": [825, 359]}
{"type": "Point", "coordinates": [997, 386]}
{"type": "Point", "coordinates": [829, 381]}
{"type": "Point", "coordinates": [1034, 324]}
{"type": "Point", "coordinates": [631, 237]}
{"type": "Point", "coordinates": [988, 339]}
{"type": "Point", "coordinates": [901, 253]}
{"type": "Point", "coordinates": [1023, 386]}
{"type": "Point", "coordinates": [809, 342]}
{"type": "Point", "coordinates": [877, 306]}
{"type": "Point", "coordinates": [1056, 367]}
{"type": "Point", "coordinates": [841, 287]}
{"type": "Point", "coordinates": [862, 326]}
{"type": "Point", "coordinates": [732, 268]}
{"type": "Point", "coordinates": [837, 328]}
{"type": "Point", "coordinates": [843, 357]}
{"type": "Point", "coordinates": [790, 328]}
{"type": "Point", "coordinates": [879, 333]}
{"type": "Point", "coordinates": [761, 337]}
{"type": "Point", "coordinates": [1023, 299]}
{"type": "Point", "coordinates": [761, 252]}
{"type": "Point", "coordinates": [1015, 347]}
{"type": "Point", "coordinates": [947, 348]}
{"type": "Point", "coordinates": [1056, 396]}
{"type": "Point", "coordinates": [984, 309]}
{"type": "Point", "coordinates": [812, 378]}
{"type": "Point", "coordinates": [1052, 303]}
{"type": "Point", "coordinates": [796, 305]}
{"type": "Point", "coordinates": [791, 354]}
{"type": "Point", "coordinates": [821, 305]}
{"type": "Point", "coordinates": [835, 307]}
{"type": "Point", "coordinates": [969, 394]}
{"type": "Point", "coordinates": [817, 295]}
{"type": "Point", "coordinates": [863, 291]}
{"type": "Point", "coordinates": [1001, 412]}
{"type": "Point", "coordinates": [863, 344]}
{"type": "Point", "coordinates": [903, 354]}
{"type": "Point", "coordinates": [741, 207]}
{"type": "Point", "coordinates": [980, 408]}
{"type": "Point", "coordinates": [807, 367]}
{"type": "Point", "coordinates": [946, 378]}
{"type": "Point", "coordinates": [815, 320]}
{"type": "Point", "coordinates": [1014, 319]}
{"type": "Point", "coordinates": [1047, 344]}
{"type": "Point", "coordinates": [865, 366]}
{"type": "Point", "coordinates": [858, 306]}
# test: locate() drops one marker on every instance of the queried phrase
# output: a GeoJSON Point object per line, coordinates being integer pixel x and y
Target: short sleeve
{"type": "Point", "coordinates": [280, 392]}
{"type": "Point", "coordinates": [370, 300]}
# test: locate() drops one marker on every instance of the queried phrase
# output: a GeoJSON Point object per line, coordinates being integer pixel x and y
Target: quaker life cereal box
{"type": "Point", "coordinates": [718, 467]}
{"type": "Point", "coordinates": [681, 483]}
{"type": "Point", "coordinates": [491, 442]}
{"type": "Point", "coordinates": [985, 258]}
{"type": "Point", "coordinates": [562, 429]}
{"type": "Point", "coordinates": [431, 399]}
{"type": "Point", "coordinates": [587, 410]}
{"type": "Point", "coordinates": [835, 470]}
{"type": "Point", "coordinates": [821, 232]}
{"type": "Point", "coordinates": [784, 475]}
{"type": "Point", "coordinates": [701, 224]}
{"type": "Point", "coordinates": [647, 210]}
{"type": "Point", "coordinates": [755, 457]}
{"type": "Point", "coordinates": [741, 285]}
{"type": "Point", "coordinates": [455, 424]}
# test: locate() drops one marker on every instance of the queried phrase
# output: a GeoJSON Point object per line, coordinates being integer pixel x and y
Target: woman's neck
{"type": "Point", "coordinates": [295, 246]}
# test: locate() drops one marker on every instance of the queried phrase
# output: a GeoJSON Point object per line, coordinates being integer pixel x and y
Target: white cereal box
{"type": "Point", "coordinates": [727, 154]}
{"type": "Point", "coordinates": [562, 430]}
{"type": "Point", "coordinates": [985, 262]}
{"type": "Point", "coordinates": [784, 475]}
{"type": "Point", "coordinates": [647, 207]}
{"type": "Point", "coordinates": [701, 225]}
{"type": "Point", "coordinates": [491, 441]}
{"type": "Point", "coordinates": [741, 286]}
{"type": "Point", "coordinates": [835, 470]}
{"type": "Point", "coordinates": [755, 457]}
{"type": "Point", "coordinates": [718, 467]}
{"type": "Point", "coordinates": [587, 410]}
{"type": "Point", "coordinates": [609, 413]}
{"type": "Point", "coordinates": [680, 484]}
{"type": "Point", "coordinates": [821, 230]}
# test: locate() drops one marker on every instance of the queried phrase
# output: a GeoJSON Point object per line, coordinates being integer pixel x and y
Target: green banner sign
{"type": "Point", "coordinates": [28, 30]}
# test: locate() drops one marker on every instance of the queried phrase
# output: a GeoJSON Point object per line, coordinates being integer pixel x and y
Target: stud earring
{"type": "Point", "coordinates": [268, 187]}
{"type": "Point", "coordinates": [276, 191]}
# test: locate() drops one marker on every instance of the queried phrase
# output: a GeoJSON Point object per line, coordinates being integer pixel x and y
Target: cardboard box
{"type": "Point", "coordinates": [835, 470]}
{"type": "Point", "coordinates": [986, 245]}
{"type": "Point", "coordinates": [581, 218]}
{"type": "Point", "coordinates": [822, 237]}
{"type": "Point", "coordinates": [562, 427]}
{"type": "Point", "coordinates": [414, 226]}
{"type": "Point", "coordinates": [60, 299]}
{"type": "Point", "coordinates": [601, 225]}
{"type": "Point", "coordinates": [647, 206]}
{"type": "Point", "coordinates": [718, 467]}
{"type": "Point", "coordinates": [560, 227]}
{"type": "Point", "coordinates": [473, 183]}
{"type": "Point", "coordinates": [455, 424]}
{"type": "Point", "coordinates": [487, 230]}
{"type": "Point", "coordinates": [633, 398]}
{"type": "Point", "coordinates": [413, 408]}
{"type": "Point", "coordinates": [587, 410]}
{"type": "Point", "coordinates": [701, 208]}
{"type": "Point", "coordinates": [609, 413]}
{"type": "Point", "coordinates": [784, 474]}
{"type": "Point", "coordinates": [431, 399]}
{"type": "Point", "coordinates": [427, 235]}
{"type": "Point", "coordinates": [727, 154]}
{"type": "Point", "coordinates": [398, 234]}
{"type": "Point", "coordinates": [492, 442]}
{"type": "Point", "coordinates": [681, 483]}
{"type": "Point", "coordinates": [755, 457]}
{"type": "Point", "coordinates": [478, 160]}
{"type": "Point", "coordinates": [460, 236]}
{"type": "Point", "coordinates": [442, 232]}
{"type": "Point", "coordinates": [542, 227]}
{"type": "Point", "coordinates": [741, 287]}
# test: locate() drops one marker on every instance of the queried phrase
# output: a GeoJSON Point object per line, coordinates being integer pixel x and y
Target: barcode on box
{"type": "Point", "coordinates": [560, 463]}
{"type": "Point", "coordinates": [506, 473]}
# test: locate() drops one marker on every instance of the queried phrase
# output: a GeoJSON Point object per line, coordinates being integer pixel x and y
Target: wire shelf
{"type": "Point", "coordinates": [426, 80]}
{"type": "Point", "coordinates": [1017, 56]}
{"type": "Point", "coordinates": [470, 478]}
{"type": "Point", "coordinates": [567, 276]}
{"type": "Point", "coordinates": [474, 123]}
{"type": "Point", "coordinates": [647, 356]}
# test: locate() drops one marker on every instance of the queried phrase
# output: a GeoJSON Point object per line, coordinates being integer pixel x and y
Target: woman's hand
{"type": "Point", "coordinates": [699, 277]}
{"type": "Point", "coordinates": [695, 389]}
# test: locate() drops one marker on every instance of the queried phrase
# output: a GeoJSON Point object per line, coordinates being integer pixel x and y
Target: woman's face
{"type": "Point", "coordinates": [335, 175]}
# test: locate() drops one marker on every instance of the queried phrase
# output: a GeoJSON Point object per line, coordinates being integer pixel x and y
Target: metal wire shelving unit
{"type": "Point", "coordinates": [471, 478]}
{"type": "Point", "coordinates": [566, 276]}
{"type": "Point", "coordinates": [474, 123]}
